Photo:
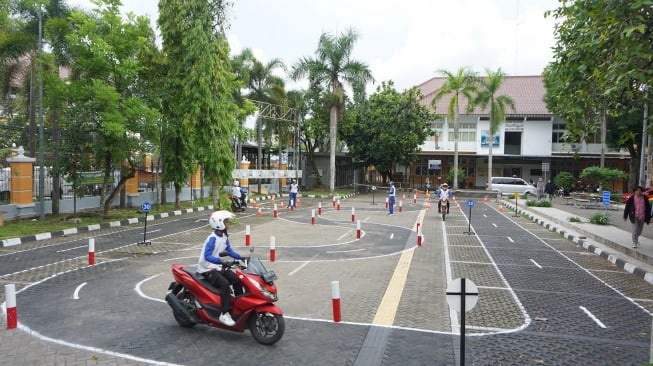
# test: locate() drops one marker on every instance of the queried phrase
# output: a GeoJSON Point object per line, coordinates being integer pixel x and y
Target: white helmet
{"type": "Point", "coordinates": [218, 218]}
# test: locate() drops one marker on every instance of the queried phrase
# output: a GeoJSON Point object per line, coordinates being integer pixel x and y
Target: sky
{"type": "Point", "coordinates": [407, 42]}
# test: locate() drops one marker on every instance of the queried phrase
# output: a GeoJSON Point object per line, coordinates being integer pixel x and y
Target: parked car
{"type": "Point", "coordinates": [648, 192]}
{"type": "Point", "coordinates": [510, 185]}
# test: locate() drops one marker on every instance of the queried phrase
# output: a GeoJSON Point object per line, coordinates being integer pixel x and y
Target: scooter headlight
{"type": "Point", "coordinates": [269, 295]}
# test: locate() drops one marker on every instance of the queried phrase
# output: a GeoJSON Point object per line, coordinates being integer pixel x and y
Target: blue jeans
{"type": "Point", "coordinates": [293, 200]}
{"type": "Point", "coordinates": [391, 204]}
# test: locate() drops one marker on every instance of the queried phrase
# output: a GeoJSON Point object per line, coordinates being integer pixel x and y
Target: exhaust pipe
{"type": "Point", "coordinates": [177, 307]}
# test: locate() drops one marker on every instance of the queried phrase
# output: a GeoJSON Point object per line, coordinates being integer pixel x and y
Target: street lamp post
{"type": "Point", "coordinates": [41, 138]}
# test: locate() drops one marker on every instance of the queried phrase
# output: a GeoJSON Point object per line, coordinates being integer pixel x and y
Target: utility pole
{"type": "Point", "coordinates": [41, 137]}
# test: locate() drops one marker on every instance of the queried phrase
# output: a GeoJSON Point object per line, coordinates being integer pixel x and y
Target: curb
{"type": "Point", "coordinates": [610, 256]}
{"type": "Point", "coordinates": [85, 229]}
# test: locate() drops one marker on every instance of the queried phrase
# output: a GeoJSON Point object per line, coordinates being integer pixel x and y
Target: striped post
{"type": "Point", "coordinates": [419, 237]}
{"type": "Point", "coordinates": [313, 217]}
{"type": "Point", "coordinates": [338, 206]}
{"type": "Point", "coordinates": [272, 250]}
{"type": "Point", "coordinates": [358, 229]}
{"type": "Point", "coordinates": [401, 206]}
{"type": "Point", "coordinates": [353, 215]}
{"type": "Point", "coordinates": [247, 236]}
{"type": "Point", "coordinates": [275, 213]}
{"type": "Point", "coordinates": [319, 208]}
{"type": "Point", "coordinates": [335, 300]}
{"type": "Point", "coordinates": [333, 202]}
{"type": "Point", "coordinates": [91, 251]}
{"type": "Point", "coordinates": [12, 315]}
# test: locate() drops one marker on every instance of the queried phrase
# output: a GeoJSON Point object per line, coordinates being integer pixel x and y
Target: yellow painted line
{"type": "Point", "coordinates": [385, 314]}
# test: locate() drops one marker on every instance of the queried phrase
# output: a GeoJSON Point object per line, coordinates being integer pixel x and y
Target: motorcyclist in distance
{"type": "Point", "coordinates": [444, 192]}
{"type": "Point", "coordinates": [236, 193]}
{"type": "Point", "coordinates": [210, 264]}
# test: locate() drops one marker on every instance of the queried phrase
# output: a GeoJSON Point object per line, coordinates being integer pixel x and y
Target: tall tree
{"type": "Point", "coordinates": [601, 68]}
{"type": "Point", "coordinates": [106, 102]}
{"type": "Point", "coordinates": [461, 84]}
{"type": "Point", "coordinates": [201, 87]}
{"type": "Point", "coordinates": [331, 67]}
{"type": "Point", "coordinates": [488, 95]}
{"type": "Point", "coordinates": [389, 128]}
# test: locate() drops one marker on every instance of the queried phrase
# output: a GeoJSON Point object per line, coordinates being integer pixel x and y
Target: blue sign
{"type": "Point", "coordinates": [146, 206]}
{"type": "Point", "coordinates": [470, 203]}
{"type": "Point", "coordinates": [606, 198]}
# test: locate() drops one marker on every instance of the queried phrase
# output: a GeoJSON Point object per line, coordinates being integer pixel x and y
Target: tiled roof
{"type": "Point", "coordinates": [526, 91]}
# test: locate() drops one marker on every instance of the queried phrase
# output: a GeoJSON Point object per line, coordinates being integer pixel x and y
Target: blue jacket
{"type": "Point", "coordinates": [210, 257]}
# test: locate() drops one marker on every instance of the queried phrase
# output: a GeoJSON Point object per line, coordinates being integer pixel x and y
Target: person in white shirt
{"type": "Point", "coordinates": [294, 189]}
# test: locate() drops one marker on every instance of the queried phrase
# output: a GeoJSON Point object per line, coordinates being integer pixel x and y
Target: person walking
{"type": "Point", "coordinates": [549, 189]}
{"type": "Point", "coordinates": [638, 211]}
{"type": "Point", "coordinates": [391, 199]}
{"type": "Point", "coordinates": [294, 189]}
{"type": "Point", "coordinates": [540, 188]}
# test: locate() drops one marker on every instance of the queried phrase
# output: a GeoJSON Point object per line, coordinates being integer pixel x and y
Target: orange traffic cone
{"type": "Point", "coordinates": [298, 201]}
{"type": "Point", "coordinates": [485, 199]}
{"type": "Point", "coordinates": [500, 208]}
{"type": "Point", "coordinates": [259, 212]}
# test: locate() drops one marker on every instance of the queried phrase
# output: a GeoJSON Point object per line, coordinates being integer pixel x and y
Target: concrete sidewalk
{"type": "Point", "coordinates": [612, 241]}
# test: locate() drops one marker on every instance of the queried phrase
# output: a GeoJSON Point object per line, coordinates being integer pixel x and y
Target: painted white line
{"type": "Point", "coordinates": [69, 249]}
{"type": "Point", "coordinates": [153, 231]}
{"type": "Point", "coordinates": [298, 268]}
{"type": "Point", "coordinates": [76, 293]}
{"type": "Point", "coordinates": [495, 225]}
{"type": "Point", "coordinates": [344, 235]}
{"type": "Point", "coordinates": [536, 264]}
{"type": "Point", "coordinates": [137, 288]}
{"type": "Point", "coordinates": [392, 236]}
{"type": "Point", "coordinates": [344, 251]}
{"type": "Point", "coordinates": [596, 320]}
{"type": "Point", "coordinates": [510, 239]}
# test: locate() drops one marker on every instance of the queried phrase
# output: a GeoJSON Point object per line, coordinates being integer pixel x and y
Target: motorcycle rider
{"type": "Point", "coordinates": [237, 194]}
{"type": "Point", "coordinates": [210, 264]}
{"type": "Point", "coordinates": [444, 192]}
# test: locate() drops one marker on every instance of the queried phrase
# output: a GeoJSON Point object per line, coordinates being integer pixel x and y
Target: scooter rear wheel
{"type": "Point", "coordinates": [187, 300]}
{"type": "Point", "coordinates": [267, 328]}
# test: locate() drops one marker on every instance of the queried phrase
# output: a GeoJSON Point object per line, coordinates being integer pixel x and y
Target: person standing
{"type": "Point", "coordinates": [294, 188]}
{"type": "Point", "coordinates": [391, 199]}
{"type": "Point", "coordinates": [540, 188]}
{"type": "Point", "coordinates": [549, 189]}
{"type": "Point", "coordinates": [638, 211]}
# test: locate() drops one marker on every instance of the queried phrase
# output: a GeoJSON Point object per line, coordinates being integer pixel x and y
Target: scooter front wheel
{"type": "Point", "coordinates": [267, 328]}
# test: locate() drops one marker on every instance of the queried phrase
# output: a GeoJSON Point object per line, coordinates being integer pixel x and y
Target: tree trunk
{"type": "Point", "coordinates": [333, 127]}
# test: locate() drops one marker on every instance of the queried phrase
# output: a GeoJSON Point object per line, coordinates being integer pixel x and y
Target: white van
{"type": "Point", "coordinates": [509, 185]}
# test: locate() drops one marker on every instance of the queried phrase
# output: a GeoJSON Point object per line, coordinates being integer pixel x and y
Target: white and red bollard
{"type": "Point", "coordinates": [338, 205]}
{"type": "Point", "coordinates": [275, 213]}
{"type": "Point", "coordinates": [335, 300]}
{"type": "Point", "coordinates": [417, 229]}
{"type": "Point", "coordinates": [414, 198]}
{"type": "Point", "coordinates": [313, 217]}
{"type": "Point", "coordinates": [10, 298]}
{"type": "Point", "coordinates": [401, 206]}
{"type": "Point", "coordinates": [358, 229]}
{"type": "Point", "coordinates": [272, 250]}
{"type": "Point", "coordinates": [91, 251]}
{"type": "Point", "coordinates": [319, 208]}
{"type": "Point", "coordinates": [292, 205]}
{"type": "Point", "coordinates": [333, 202]}
{"type": "Point", "coordinates": [353, 215]}
{"type": "Point", "coordinates": [247, 236]}
{"type": "Point", "coordinates": [419, 237]}
{"type": "Point", "coordinates": [386, 202]}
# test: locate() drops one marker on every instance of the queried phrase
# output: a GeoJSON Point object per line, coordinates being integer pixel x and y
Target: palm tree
{"type": "Point", "coordinates": [461, 84]}
{"type": "Point", "coordinates": [490, 86]}
{"type": "Point", "coordinates": [331, 66]}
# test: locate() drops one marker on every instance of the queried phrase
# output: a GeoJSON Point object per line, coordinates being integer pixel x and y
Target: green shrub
{"type": "Point", "coordinates": [600, 218]}
{"type": "Point", "coordinates": [541, 203]}
{"type": "Point", "coordinates": [575, 219]}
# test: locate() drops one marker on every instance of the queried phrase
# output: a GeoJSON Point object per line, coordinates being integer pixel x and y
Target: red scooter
{"type": "Point", "coordinates": [194, 300]}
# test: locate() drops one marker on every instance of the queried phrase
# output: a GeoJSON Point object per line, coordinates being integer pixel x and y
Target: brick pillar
{"type": "Point", "coordinates": [131, 185]}
{"type": "Point", "coordinates": [196, 178]}
{"type": "Point", "coordinates": [244, 165]}
{"type": "Point", "coordinates": [22, 179]}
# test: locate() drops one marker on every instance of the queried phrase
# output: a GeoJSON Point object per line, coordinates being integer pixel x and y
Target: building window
{"type": "Point", "coordinates": [558, 134]}
{"type": "Point", "coordinates": [467, 132]}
